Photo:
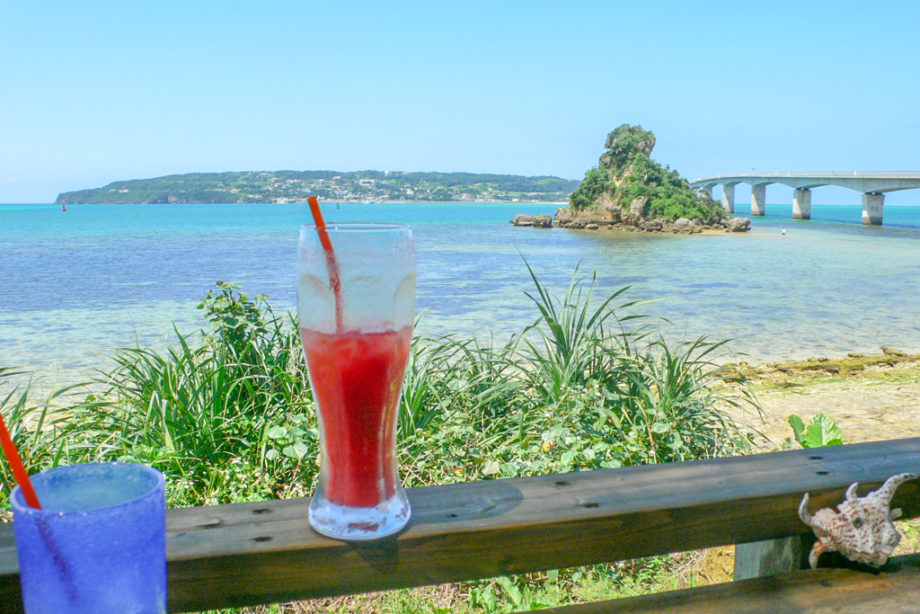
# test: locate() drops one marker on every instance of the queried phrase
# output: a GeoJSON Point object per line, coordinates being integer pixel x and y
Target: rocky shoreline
{"type": "Point", "coordinates": [614, 218]}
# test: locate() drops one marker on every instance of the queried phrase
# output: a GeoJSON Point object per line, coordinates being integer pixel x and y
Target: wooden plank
{"type": "Point", "coordinates": [822, 591]}
{"type": "Point", "coordinates": [10, 598]}
{"type": "Point", "coordinates": [772, 556]}
{"type": "Point", "coordinates": [264, 552]}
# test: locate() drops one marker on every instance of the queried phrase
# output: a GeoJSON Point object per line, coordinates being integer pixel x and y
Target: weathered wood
{"type": "Point", "coordinates": [822, 591]}
{"type": "Point", "coordinates": [10, 598]}
{"type": "Point", "coordinates": [772, 556]}
{"type": "Point", "coordinates": [265, 552]}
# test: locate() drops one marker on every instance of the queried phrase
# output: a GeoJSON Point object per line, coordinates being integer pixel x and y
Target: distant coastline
{"type": "Point", "coordinates": [283, 187]}
{"type": "Point", "coordinates": [334, 201]}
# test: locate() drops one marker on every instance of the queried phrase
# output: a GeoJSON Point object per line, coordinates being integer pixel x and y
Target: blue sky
{"type": "Point", "coordinates": [94, 92]}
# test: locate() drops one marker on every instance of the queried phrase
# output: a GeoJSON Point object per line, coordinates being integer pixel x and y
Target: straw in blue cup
{"type": "Point", "coordinates": [98, 544]}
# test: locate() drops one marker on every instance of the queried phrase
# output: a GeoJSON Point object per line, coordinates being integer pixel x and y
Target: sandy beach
{"type": "Point", "coordinates": [870, 398]}
{"type": "Point", "coordinates": [864, 411]}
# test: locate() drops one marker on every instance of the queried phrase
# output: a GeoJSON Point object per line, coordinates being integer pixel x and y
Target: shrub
{"type": "Point", "coordinates": [228, 414]}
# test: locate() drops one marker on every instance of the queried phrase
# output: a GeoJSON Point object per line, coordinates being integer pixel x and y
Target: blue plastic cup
{"type": "Point", "coordinates": [99, 542]}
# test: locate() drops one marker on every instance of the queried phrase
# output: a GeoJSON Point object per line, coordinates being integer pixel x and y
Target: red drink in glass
{"type": "Point", "coordinates": [356, 379]}
{"type": "Point", "coordinates": [356, 305]}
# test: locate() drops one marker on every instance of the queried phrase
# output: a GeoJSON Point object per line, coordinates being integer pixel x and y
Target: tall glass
{"type": "Point", "coordinates": [356, 304]}
{"type": "Point", "coordinates": [97, 545]}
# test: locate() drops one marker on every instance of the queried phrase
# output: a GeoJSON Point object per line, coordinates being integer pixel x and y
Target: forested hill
{"type": "Point", "coordinates": [296, 186]}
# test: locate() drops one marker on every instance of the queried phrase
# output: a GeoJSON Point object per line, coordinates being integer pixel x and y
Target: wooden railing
{"type": "Point", "coordinates": [253, 553]}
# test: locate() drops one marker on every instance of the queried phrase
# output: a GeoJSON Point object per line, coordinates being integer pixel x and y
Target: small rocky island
{"type": "Point", "coordinates": [629, 191]}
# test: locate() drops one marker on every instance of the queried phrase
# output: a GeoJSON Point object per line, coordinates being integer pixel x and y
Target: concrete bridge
{"type": "Point", "coordinates": [872, 185]}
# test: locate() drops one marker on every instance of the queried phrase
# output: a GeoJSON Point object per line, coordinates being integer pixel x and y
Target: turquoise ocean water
{"type": "Point", "coordinates": [77, 284]}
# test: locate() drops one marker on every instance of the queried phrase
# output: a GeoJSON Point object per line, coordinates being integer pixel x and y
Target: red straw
{"type": "Point", "coordinates": [331, 264]}
{"type": "Point", "coordinates": [320, 223]}
{"type": "Point", "coordinates": [19, 471]}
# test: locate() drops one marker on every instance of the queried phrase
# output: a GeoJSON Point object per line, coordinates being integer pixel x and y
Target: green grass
{"type": "Point", "coordinates": [228, 415]}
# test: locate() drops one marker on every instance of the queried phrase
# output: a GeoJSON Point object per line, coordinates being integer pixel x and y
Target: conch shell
{"type": "Point", "coordinates": [861, 529]}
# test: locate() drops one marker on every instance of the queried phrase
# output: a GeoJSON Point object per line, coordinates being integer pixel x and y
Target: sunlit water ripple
{"type": "Point", "coordinates": [80, 283]}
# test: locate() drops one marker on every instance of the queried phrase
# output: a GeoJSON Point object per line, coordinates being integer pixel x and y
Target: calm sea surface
{"type": "Point", "coordinates": [77, 284]}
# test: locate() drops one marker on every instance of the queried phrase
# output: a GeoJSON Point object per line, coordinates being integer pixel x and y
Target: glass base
{"type": "Point", "coordinates": [349, 523]}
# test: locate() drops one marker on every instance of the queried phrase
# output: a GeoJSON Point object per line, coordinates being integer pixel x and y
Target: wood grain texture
{"type": "Point", "coordinates": [264, 552]}
{"type": "Point", "coordinates": [772, 556]}
{"type": "Point", "coordinates": [895, 589]}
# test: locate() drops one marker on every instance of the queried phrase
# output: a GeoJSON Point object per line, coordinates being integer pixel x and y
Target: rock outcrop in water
{"type": "Point", "coordinates": [537, 221]}
{"type": "Point", "coordinates": [629, 191]}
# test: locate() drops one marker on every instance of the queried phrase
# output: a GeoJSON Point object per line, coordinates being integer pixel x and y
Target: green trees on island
{"type": "Point", "coordinates": [296, 186]}
{"type": "Point", "coordinates": [627, 179]}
